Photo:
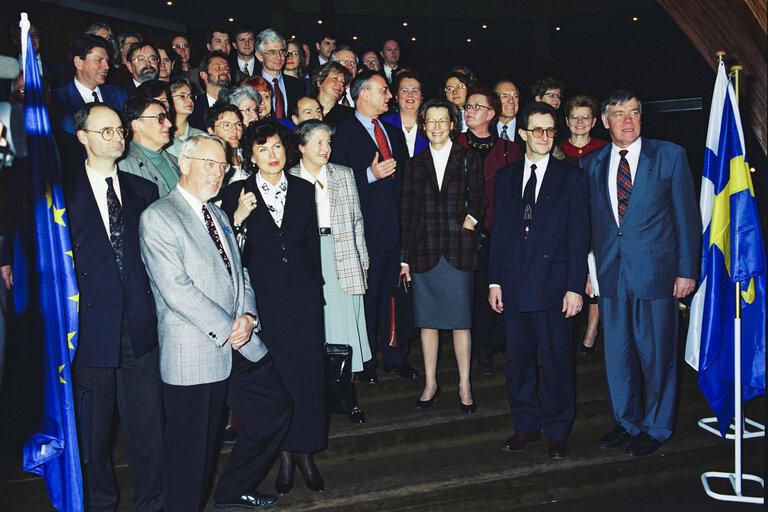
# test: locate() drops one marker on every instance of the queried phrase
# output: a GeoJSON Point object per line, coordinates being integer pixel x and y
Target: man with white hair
{"type": "Point", "coordinates": [286, 90]}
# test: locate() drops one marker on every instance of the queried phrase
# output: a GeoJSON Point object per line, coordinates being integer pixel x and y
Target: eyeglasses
{"type": "Point", "coordinates": [109, 133]}
{"type": "Point", "coordinates": [161, 118]}
{"type": "Point", "coordinates": [182, 95]}
{"type": "Point", "coordinates": [553, 95]}
{"type": "Point", "coordinates": [585, 117]}
{"type": "Point", "coordinates": [141, 59]}
{"type": "Point", "coordinates": [211, 165]}
{"type": "Point", "coordinates": [538, 132]}
{"type": "Point", "coordinates": [451, 88]}
{"type": "Point", "coordinates": [509, 96]}
{"type": "Point", "coordinates": [434, 122]}
{"type": "Point", "coordinates": [250, 111]}
{"type": "Point", "coordinates": [413, 90]}
{"type": "Point", "coordinates": [621, 114]}
{"type": "Point", "coordinates": [275, 53]}
{"type": "Point", "coordinates": [346, 63]}
{"type": "Point", "coordinates": [227, 126]}
{"type": "Point", "coordinates": [370, 62]}
{"type": "Point", "coordinates": [476, 106]}
{"type": "Point", "coordinates": [180, 46]}
{"type": "Point", "coordinates": [294, 53]}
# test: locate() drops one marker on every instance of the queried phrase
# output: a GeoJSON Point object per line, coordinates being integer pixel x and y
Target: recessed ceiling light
{"type": "Point", "coordinates": [751, 169]}
{"type": "Point", "coordinates": [405, 23]}
{"type": "Point", "coordinates": [293, 36]}
{"type": "Point", "coordinates": [413, 39]}
{"type": "Point", "coordinates": [469, 39]}
{"type": "Point", "coordinates": [634, 18]}
{"type": "Point", "coordinates": [485, 26]}
{"type": "Point", "coordinates": [557, 28]}
{"type": "Point", "coordinates": [169, 2]}
{"type": "Point", "coordinates": [231, 19]}
{"type": "Point", "coordinates": [319, 22]}
{"type": "Point", "coordinates": [354, 38]}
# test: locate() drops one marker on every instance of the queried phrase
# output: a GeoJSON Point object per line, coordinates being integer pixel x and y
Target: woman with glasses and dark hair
{"type": "Point", "coordinates": [226, 121]}
{"type": "Point", "coordinates": [329, 82]}
{"type": "Point", "coordinates": [246, 99]}
{"type": "Point", "coordinates": [408, 93]}
{"type": "Point", "coordinates": [276, 213]}
{"type": "Point", "coordinates": [443, 199]}
{"type": "Point", "coordinates": [455, 87]}
{"type": "Point", "coordinates": [184, 106]}
{"type": "Point", "coordinates": [294, 63]}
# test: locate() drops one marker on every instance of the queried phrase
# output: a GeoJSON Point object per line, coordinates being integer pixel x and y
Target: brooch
{"type": "Point", "coordinates": [226, 228]}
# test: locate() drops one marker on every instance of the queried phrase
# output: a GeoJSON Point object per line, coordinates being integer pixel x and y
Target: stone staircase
{"type": "Point", "coordinates": [440, 459]}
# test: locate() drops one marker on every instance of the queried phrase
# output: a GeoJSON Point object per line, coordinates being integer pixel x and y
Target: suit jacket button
{"type": "Point", "coordinates": [620, 233]}
{"type": "Point", "coordinates": [88, 306]}
{"type": "Point", "coordinates": [85, 274]}
{"type": "Point", "coordinates": [285, 260]}
{"type": "Point", "coordinates": [210, 334]}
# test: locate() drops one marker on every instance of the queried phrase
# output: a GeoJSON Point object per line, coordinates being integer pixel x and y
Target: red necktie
{"type": "Point", "coordinates": [279, 101]}
{"type": "Point", "coordinates": [623, 184]}
{"type": "Point", "coordinates": [381, 141]}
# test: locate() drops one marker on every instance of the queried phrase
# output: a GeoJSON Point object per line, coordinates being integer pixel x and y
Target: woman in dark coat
{"type": "Point", "coordinates": [276, 212]}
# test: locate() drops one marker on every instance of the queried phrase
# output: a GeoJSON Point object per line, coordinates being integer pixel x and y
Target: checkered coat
{"type": "Point", "coordinates": [349, 249]}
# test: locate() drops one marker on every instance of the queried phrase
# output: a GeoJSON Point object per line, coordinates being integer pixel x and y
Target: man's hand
{"type": "Point", "coordinates": [382, 169]}
{"type": "Point", "coordinates": [683, 287]}
{"type": "Point", "coordinates": [494, 298]}
{"type": "Point", "coordinates": [572, 303]}
{"type": "Point", "coordinates": [6, 271]}
{"type": "Point", "coordinates": [241, 331]}
{"type": "Point", "coordinates": [405, 273]}
{"type": "Point", "coordinates": [588, 290]}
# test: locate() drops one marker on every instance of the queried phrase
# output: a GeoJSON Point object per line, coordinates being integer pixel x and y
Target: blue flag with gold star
{"type": "Point", "coordinates": [733, 252]}
{"type": "Point", "coordinates": [48, 292]}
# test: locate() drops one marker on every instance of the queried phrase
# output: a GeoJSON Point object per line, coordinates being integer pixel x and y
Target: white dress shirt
{"type": "Point", "coordinates": [541, 169]}
{"type": "Point", "coordinates": [197, 207]}
{"type": "Point", "coordinates": [633, 156]}
{"type": "Point", "coordinates": [410, 139]}
{"type": "Point", "coordinates": [511, 127]}
{"type": "Point", "coordinates": [99, 187]}
{"type": "Point", "coordinates": [241, 64]}
{"type": "Point", "coordinates": [322, 199]}
{"type": "Point", "coordinates": [211, 100]}
{"type": "Point", "coordinates": [86, 93]}
{"type": "Point", "coordinates": [440, 159]}
{"type": "Point", "coordinates": [274, 196]}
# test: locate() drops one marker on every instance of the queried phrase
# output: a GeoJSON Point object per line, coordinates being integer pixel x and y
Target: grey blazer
{"type": "Point", "coordinates": [196, 299]}
{"type": "Point", "coordinates": [347, 229]}
{"type": "Point", "coordinates": [136, 162]}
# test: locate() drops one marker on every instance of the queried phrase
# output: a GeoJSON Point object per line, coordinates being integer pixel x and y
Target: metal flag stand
{"type": "Point", "coordinates": [737, 477]}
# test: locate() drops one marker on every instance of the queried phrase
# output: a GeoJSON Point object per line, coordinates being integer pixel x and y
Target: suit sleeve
{"type": "Point", "coordinates": [686, 220]}
{"type": "Point", "coordinates": [357, 219]}
{"type": "Point", "coordinates": [478, 200]}
{"type": "Point", "coordinates": [578, 233]}
{"type": "Point", "coordinates": [162, 255]}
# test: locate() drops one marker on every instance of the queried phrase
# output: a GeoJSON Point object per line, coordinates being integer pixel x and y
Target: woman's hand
{"type": "Point", "coordinates": [468, 224]}
{"type": "Point", "coordinates": [245, 205]}
{"type": "Point", "coordinates": [405, 273]}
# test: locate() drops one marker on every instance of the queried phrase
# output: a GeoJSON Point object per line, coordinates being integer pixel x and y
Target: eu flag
{"type": "Point", "coordinates": [49, 292]}
{"type": "Point", "coordinates": [733, 252]}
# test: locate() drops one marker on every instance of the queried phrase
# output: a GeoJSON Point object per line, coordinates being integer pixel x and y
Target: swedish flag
{"type": "Point", "coordinates": [48, 292]}
{"type": "Point", "coordinates": [733, 252]}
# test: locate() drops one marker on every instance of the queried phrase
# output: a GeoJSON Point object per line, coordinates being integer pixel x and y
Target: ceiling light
{"type": "Point", "coordinates": [169, 2]}
{"type": "Point", "coordinates": [413, 39]}
{"type": "Point", "coordinates": [469, 39]}
{"type": "Point", "coordinates": [485, 26]}
{"type": "Point", "coordinates": [231, 19]}
{"type": "Point", "coordinates": [634, 18]}
{"type": "Point", "coordinates": [557, 28]}
{"type": "Point", "coordinates": [354, 38]}
{"type": "Point", "coordinates": [405, 23]}
{"type": "Point", "coordinates": [319, 22]}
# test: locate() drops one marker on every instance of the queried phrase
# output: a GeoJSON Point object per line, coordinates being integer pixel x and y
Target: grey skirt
{"type": "Point", "coordinates": [442, 297]}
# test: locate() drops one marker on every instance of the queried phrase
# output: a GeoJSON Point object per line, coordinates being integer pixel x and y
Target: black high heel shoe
{"type": "Point", "coordinates": [467, 409]}
{"type": "Point", "coordinates": [310, 472]}
{"type": "Point", "coordinates": [426, 404]}
{"type": "Point", "coordinates": [284, 482]}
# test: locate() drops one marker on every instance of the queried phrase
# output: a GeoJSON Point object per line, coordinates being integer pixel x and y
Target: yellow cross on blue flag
{"type": "Point", "coordinates": [732, 252]}
{"type": "Point", "coordinates": [45, 295]}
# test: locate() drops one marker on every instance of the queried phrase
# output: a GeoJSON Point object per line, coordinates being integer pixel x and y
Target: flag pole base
{"type": "Point", "coordinates": [736, 496]}
{"type": "Point", "coordinates": [707, 424]}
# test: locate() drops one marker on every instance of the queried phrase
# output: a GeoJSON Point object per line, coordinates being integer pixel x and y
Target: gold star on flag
{"type": "Point", "coordinates": [61, 379]}
{"type": "Point", "coordinates": [70, 335]}
{"type": "Point", "coordinates": [69, 253]}
{"type": "Point", "coordinates": [58, 215]}
{"type": "Point", "coordinates": [76, 298]}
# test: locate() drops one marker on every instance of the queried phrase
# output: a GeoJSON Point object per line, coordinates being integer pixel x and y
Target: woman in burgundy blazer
{"type": "Point", "coordinates": [443, 199]}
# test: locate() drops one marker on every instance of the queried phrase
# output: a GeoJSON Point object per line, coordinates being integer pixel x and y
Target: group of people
{"type": "Point", "coordinates": [229, 219]}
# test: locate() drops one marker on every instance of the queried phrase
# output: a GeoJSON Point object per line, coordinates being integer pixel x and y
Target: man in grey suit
{"type": "Point", "coordinates": [646, 235]}
{"type": "Point", "coordinates": [209, 352]}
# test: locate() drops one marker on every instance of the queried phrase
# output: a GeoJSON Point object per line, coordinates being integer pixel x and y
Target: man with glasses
{"type": "Point", "coordinates": [539, 245]}
{"type": "Point", "coordinates": [214, 75]}
{"type": "Point", "coordinates": [148, 121]}
{"type": "Point", "coordinates": [210, 353]}
{"type": "Point", "coordinates": [286, 90]}
{"type": "Point", "coordinates": [115, 371]}
{"type": "Point", "coordinates": [143, 62]}
{"type": "Point", "coordinates": [345, 56]}
{"type": "Point", "coordinates": [509, 95]}
{"type": "Point", "coordinates": [548, 90]}
{"type": "Point", "coordinates": [52, 72]}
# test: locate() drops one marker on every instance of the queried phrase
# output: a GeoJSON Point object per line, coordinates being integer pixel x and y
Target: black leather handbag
{"type": "Point", "coordinates": [339, 391]}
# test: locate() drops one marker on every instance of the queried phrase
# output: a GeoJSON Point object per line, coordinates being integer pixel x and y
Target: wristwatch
{"type": "Point", "coordinates": [253, 317]}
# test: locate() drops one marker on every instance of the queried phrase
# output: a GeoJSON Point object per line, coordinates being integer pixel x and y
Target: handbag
{"type": "Point", "coordinates": [482, 237]}
{"type": "Point", "coordinates": [339, 391]}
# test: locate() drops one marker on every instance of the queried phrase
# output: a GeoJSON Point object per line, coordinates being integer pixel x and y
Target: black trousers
{"type": "Point", "coordinates": [134, 387]}
{"type": "Point", "coordinates": [255, 393]}
{"type": "Point", "coordinates": [488, 330]}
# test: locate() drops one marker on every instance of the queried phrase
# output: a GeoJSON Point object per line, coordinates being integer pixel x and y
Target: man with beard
{"type": "Point", "coordinates": [143, 61]}
{"type": "Point", "coordinates": [214, 76]}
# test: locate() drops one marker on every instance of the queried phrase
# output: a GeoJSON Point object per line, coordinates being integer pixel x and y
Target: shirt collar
{"type": "Point", "coordinates": [541, 165]}
{"type": "Point", "coordinates": [83, 90]}
{"type": "Point", "coordinates": [261, 182]}
{"type": "Point", "coordinates": [632, 150]}
{"type": "Point", "coordinates": [196, 205]}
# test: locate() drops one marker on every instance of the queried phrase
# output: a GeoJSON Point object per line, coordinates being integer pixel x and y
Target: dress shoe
{"type": "Point", "coordinates": [585, 350]}
{"type": "Point", "coordinates": [368, 376]}
{"type": "Point", "coordinates": [284, 482]}
{"type": "Point", "coordinates": [230, 435]}
{"type": "Point", "coordinates": [356, 415]}
{"type": "Point", "coordinates": [643, 445]}
{"type": "Point", "coordinates": [518, 442]}
{"type": "Point", "coordinates": [467, 409]}
{"type": "Point", "coordinates": [616, 437]}
{"type": "Point", "coordinates": [310, 472]}
{"type": "Point", "coordinates": [404, 370]}
{"type": "Point", "coordinates": [253, 501]}
{"type": "Point", "coordinates": [557, 448]}
{"type": "Point", "coordinates": [485, 363]}
{"type": "Point", "coordinates": [426, 404]}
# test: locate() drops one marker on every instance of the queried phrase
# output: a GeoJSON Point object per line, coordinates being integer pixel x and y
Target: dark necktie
{"type": "Point", "coordinates": [215, 236]}
{"type": "Point", "coordinates": [504, 134]}
{"type": "Point", "coordinates": [344, 99]}
{"type": "Point", "coordinates": [116, 226]}
{"type": "Point", "coordinates": [96, 97]}
{"type": "Point", "coordinates": [279, 100]}
{"type": "Point", "coordinates": [529, 200]}
{"type": "Point", "coordinates": [245, 70]}
{"type": "Point", "coordinates": [623, 184]}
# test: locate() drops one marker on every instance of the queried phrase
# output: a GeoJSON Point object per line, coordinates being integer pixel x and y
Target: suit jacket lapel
{"type": "Point", "coordinates": [514, 192]}
{"type": "Point", "coordinates": [334, 188]}
{"type": "Point", "coordinates": [603, 167]}
{"type": "Point", "coordinates": [550, 188]}
{"type": "Point", "coordinates": [642, 178]}
{"type": "Point", "coordinates": [454, 170]}
{"type": "Point", "coordinates": [130, 224]}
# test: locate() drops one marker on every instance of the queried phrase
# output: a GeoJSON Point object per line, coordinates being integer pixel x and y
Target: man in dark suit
{"type": "Point", "coordinates": [143, 61]}
{"type": "Point", "coordinates": [538, 261]}
{"type": "Point", "coordinates": [646, 236]}
{"type": "Point", "coordinates": [52, 72]}
{"type": "Point", "coordinates": [325, 47]}
{"type": "Point", "coordinates": [242, 62]}
{"type": "Point", "coordinates": [510, 104]}
{"type": "Point", "coordinates": [116, 366]}
{"type": "Point", "coordinates": [376, 151]}
{"type": "Point", "coordinates": [286, 90]}
{"type": "Point", "coordinates": [215, 74]}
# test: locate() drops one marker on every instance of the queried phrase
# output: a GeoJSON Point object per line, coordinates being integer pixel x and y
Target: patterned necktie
{"type": "Point", "coordinates": [116, 226]}
{"type": "Point", "coordinates": [245, 70]}
{"type": "Point", "coordinates": [96, 97]}
{"type": "Point", "coordinates": [529, 200]}
{"type": "Point", "coordinates": [504, 134]}
{"type": "Point", "coordinates": [623, 184]}
{"type": "Point", "coordinates": [345, 100]}
{"type": "Point", "coordinates": [279, 100]}
{"type": "Point", "coordinates": [215, 236]}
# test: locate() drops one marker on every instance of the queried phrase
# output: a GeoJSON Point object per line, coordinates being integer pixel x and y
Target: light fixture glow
{"type": "Point", "coordinates": [169, 2]}
{"type": "Point", "coordinates": [557, 28]}
{"type": "Point", "coordinates": [634, 18]}
{"type": "Point", "coordinates": [354, 38]}
{"type": "Point", "coordinates": [231, 20]}
{"type": "Point", "coordinates": [413, 39]}
{"type": "Point", "coordinates": [469, 39]}
{"type": "Point", "coordinates": [485, 26]}
{"type": "Point", "coordinates": [405, 23]}
{"type": "Point", "coordinates": [319, 22]}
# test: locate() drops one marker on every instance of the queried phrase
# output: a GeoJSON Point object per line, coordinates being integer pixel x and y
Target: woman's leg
{"type": "Point", "coordinates": [591, 334]}
{"type": "Point", "coordinates": [429, 345]}
{"type": "Point", "coordinates": [462, 347]}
